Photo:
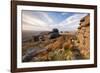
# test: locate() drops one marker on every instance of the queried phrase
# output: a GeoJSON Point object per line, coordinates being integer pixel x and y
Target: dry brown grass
{"type": "Point", "coordinates": [56, 45]}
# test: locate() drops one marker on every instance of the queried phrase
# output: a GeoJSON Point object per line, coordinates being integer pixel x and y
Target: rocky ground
{"type": "Point", "coordinates": [63, 47]}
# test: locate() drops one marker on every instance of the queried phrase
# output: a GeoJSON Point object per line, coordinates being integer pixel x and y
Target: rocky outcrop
{"type": "Point", "coordinates": [46, 35]}
{"type": "Point", "coordinates": [83, 36]}
{"type": "Point", "coordinates": [54, 34]}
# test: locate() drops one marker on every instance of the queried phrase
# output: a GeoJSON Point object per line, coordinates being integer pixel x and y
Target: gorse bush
{"type": "Point", "coordinates": [60, 54]}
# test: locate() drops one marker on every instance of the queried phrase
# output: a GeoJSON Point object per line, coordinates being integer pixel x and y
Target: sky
{"type": "Point", "coordinates": [47, 20]}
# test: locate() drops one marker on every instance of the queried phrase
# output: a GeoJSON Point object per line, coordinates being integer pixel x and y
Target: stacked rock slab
{"type": "Point", "coordinates": [84, 36]}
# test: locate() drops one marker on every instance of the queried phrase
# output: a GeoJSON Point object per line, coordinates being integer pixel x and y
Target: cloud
{"type": "Point", "coordinates": [30, 22]}
{"type": "Point", "coordinates": [71, 23]}
{"type": "Point", "coordinates": [64, 13]}
{"type": "Point", "coordinates": [47, 17]}
{"type": "Point", "coordinates": [34, 20]}
{"type": "Point", "coordinates": [39, 15]}
{"type": "Point", "coordinates": [41, 21]}
{"type": "Point", "coordinates": [30, 28]}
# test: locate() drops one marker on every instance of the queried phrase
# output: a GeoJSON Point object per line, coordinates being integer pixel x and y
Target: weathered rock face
{"type": "Point", "coordinates": [83, 35]}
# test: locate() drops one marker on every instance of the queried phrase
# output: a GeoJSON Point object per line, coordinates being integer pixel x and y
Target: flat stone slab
{"type": "Point", "coordinates": [32, 52]}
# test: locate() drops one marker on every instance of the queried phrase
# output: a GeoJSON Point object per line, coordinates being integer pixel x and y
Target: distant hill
{"type": "Point", "coordinates": [26, 35]}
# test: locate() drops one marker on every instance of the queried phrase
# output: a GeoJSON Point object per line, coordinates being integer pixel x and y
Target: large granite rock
{"type": "Point", "coordinates": [83, 35]}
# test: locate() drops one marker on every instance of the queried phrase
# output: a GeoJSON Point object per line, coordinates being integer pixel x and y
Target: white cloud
{"type": "Point", "coordinates": [41, 21]}
{"type": "Point", "coordinates": [27, 27]}
{"type": "Point", "coordinates": [31, 23]}
{"type": "Point", "coordinates": [64, 13]}
{"type": "Point", "coordinates": [71, 23]}
{"type": "Point", "coordinates": [39, 15]}
{"type": "Point", "coordinates": [47, 17]}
